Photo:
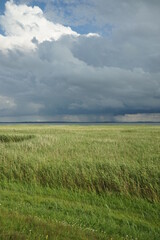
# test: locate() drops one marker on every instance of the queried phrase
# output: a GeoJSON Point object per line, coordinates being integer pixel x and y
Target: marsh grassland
{"type": "Point", "coordinates": [79, 182]}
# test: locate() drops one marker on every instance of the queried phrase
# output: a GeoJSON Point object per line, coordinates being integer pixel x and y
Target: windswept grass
{"type": "Point", "coordinates": [103, 182]}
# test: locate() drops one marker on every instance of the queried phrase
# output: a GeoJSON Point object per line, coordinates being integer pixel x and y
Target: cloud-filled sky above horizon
{"type": "Point", "coordinates": [78, 60]}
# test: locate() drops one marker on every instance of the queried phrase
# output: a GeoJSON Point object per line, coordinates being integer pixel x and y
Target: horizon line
{"type": "Point", "coordinates": [38, 122]}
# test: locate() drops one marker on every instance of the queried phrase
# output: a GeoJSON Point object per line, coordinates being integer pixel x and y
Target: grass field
{"type": "Point", "coordinates": [79, 182]}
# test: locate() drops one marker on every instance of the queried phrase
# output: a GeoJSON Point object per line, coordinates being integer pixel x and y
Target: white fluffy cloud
{"type": "Point", "coordinates": [22, 24]}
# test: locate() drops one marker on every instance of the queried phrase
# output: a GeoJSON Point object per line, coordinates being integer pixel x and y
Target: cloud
{"type": "Point", "coordinates": [56, 83]}
{"type": "Point", "coordinates": [76, 77]}
{"type": "Point", "coordinates": [22, 23]}
{"type": "Point", "coordinates": [6, 103]}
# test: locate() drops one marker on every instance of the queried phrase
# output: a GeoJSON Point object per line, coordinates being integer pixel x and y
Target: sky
{"type": "Point", "coordinates": [80, 60]}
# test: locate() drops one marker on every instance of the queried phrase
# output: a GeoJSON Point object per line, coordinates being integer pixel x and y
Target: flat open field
{"type": "Point", "coordinates": [79, 182]}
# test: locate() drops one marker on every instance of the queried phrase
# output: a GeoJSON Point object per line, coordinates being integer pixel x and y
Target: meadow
{"type": "Point", "coordinates": [80, 182]}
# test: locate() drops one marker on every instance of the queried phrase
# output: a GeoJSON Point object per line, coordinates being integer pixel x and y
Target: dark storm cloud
{"type": "Point", "coordinates": [52, 81]}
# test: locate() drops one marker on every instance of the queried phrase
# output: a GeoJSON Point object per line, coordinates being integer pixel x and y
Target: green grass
{"type": "Point", "coordinates": [79, 182]}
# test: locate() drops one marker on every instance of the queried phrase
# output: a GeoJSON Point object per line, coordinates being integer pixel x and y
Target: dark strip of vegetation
{"type": "Point", "coordinates": [15, 138]}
